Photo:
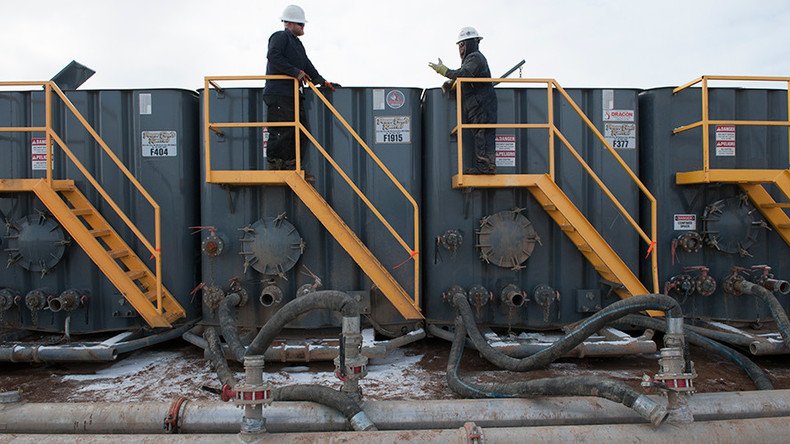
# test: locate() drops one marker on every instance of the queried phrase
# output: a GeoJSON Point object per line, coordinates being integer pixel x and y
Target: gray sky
{"type": "Point", "coordinates": [604, 43]}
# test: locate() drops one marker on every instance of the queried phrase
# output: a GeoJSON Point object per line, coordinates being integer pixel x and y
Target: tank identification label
{"type": "Point", "coordinates": [160, 144]}
{"type": "Point", "coordinates": [620, 135]}
{"type": "Point", "coordinates": [38, 153]}
{"type": "Point", "coordinates": [725, 140]}
{"type": "Point", "coordinates": [393, 129]}
{"type": "Point", "coordinates": [685, 222]}
{"type": "Point", "coordinates": [145, 103]}
{"type": "Point", "coordinates": [505, 150]}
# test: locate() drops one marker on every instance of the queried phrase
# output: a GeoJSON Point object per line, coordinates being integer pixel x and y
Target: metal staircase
{"type": "Point", "coordinates": [754, 183]}
{"type": "Point", "coordinates": [141, 287]}
{"type": "Point", "coordinates": [408, 305]}
{"type": "Point", "coordinates": [606, 261]}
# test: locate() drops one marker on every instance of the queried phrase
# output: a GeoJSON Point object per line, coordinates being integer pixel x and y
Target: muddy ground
{"type": "Point", "coordinates": [414, 372]}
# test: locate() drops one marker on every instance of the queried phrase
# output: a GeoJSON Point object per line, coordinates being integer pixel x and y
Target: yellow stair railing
{"type": "Point", "coordinates": [166, 308]}
{"type": "Point", "coordinates": [532, 181]}
{"type": "Point", "coordinates": [359, 253]}
{"type": "Point", "coordinates": [750, 180]}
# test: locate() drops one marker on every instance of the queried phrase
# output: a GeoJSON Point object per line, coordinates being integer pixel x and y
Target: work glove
{"type": "Point", "coordinates": [438, 67]}
{"type": "Point", "coordinates": [303, 77]}
{"type": "Point", "coordinates": [329, 85]}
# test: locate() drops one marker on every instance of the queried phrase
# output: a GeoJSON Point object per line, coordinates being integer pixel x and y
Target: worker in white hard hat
{"type": "Point", "coordinates": [287, 56]}
{"type": "Point", "coordinates": [479, 99]}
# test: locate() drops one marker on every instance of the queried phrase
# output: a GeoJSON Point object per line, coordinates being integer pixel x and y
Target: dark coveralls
{"type": "Point", "coordinates": [286, 56]}
{"type": "Point", "coordinates": [479, 105]}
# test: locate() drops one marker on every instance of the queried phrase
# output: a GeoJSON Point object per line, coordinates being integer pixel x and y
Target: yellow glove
{"type": "Point", "coordinates": [438, 67]}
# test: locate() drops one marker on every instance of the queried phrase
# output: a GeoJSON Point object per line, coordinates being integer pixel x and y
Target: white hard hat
{"type": "Point", "coordinates": [293, 14]}
{"type": "Point", "coordinates": [468, 32]}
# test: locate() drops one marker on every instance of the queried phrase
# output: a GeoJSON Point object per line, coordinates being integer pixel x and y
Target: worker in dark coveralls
{"type": "Point", "coordinates": [286, 55]}
{"type": "Point", "coordinates": [479, 99]}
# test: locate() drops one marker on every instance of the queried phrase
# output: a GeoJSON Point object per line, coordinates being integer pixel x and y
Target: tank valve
{"type": "Point", "coordinates": [252, 394]}
{"type": "Point", "coordinates": [680, 286]}
{"type": "Point", "coordinates": [35, 301]}
{"type": "Point", "coordinates": [451, 240]}
{"type": "Point", "coordinates": [513, 297]}
{"type": "Point", "coordinates": [213, 244]}
{"type": "Point", "coordinates": [733, 281]}
{"type": "Point", "coordinates": [704, 284]}
{"type": "Point", "coordinates": [7, 298]}
{"type": "Point", "coordinates": [350, 364]}
{"type": "Point", "coordinates": [766, 279]}
{"type": "Point", "coordinates": [545, 296]}
{"type": "Point", "coordinates": [451, 292]}
{"type": "Point", "coordinates": [690, 242]}
{"type": "Point", "coordinates": [212, 296]}
{"type": "Point", "coordinates": [270, 295]}
{"type": "Point", "coordinates": [479, 296]}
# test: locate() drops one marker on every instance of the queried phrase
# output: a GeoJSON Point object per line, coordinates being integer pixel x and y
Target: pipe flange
{"type": "Point", "coordinates": [681, 286]}
{"type": "Point", "coordinates": [690, 242]}
{"type": "Point", "coordinates": [271, 246]}
{"type": "Point", "coordinates": [453, 291]}
{"type": "Point", "coordinates": [212, 297]}
{"type": "Point", "coordinates": [705, 285]}
{"type": "Point", "coordinates": [36, 243]}
{"type": "Point", "coordinates": [271, 295]}
{"type": "Point", "coordinates": [451, 240]}
{"type": "Point", "coordinates": [213, 245]}
{"type": "Point", "coordinates": [513, 297]}
{"type": "Point", "coordinates": [7, 298]}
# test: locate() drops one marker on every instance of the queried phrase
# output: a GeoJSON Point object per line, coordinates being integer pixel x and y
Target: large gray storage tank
{"type": "Point", "coordinates": [561, 286]}
{"type": "Point", "coordinates": [121, 117]}
{"type": "Point", "coordinates": [298, 248]}
{"type": "Point", "coordinates": [693, 219]}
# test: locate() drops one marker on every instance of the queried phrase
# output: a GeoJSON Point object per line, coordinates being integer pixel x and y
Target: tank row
{"type": "Point", "coordinates": [502, 247]}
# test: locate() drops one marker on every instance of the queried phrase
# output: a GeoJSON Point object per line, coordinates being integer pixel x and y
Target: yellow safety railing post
{"type": "Point", "coordinates": [297, 124]}
{"type": "Point", "coordinates": [158, 255]}
{"type": "Point", "coordinates": [550, 111]}
{"type": "Point", "coordinates": [206, 130]}
{"type": "Point", "coordinates": [788, 123]}
{"type": "Point", "coordinates": [705, 127]}
{"type": "Point", "coordinates": [460, 132]}
{"type": "Point", "coordinates": [48, 124]}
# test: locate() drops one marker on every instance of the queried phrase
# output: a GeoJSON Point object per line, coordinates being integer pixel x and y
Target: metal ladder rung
{"type": "Point", "coordinates": [783, 226]}
{"type": "Point", "coordinates": [136, 274]}
{"type": "Point", "coordinates": [100, 233]}
{"type": "Point", "coordinates": [584, 248]}
{"type": "Point", "coordinates": [550, 207]}
{"type": "Point", "coordinates": [567, 227]}
{"type": "Point", "coordinates": [775, 205]}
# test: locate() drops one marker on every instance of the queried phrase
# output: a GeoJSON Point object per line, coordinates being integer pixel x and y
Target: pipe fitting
{"type": "Point", "coordinates": [69, 300]}
{"type": "Point", "coordinates": [270, 295]}
{"type": "Point", "coordinates": [36, 300]}
{"type": "Point", "coordinates": [650, 410]}
{"type": "Point", "coordinates": [513, 297]}
{"type": "Point", "coordinates": [776, 285]}
{"type": "Point", "coordinates": [350, 364]}
{"type": "Point", "coordinates": [452, 292]}
{"type": "Point", "coordinates": [7, 298]}
{"type": "Point", "coordinates": [675, 326]}
{"type": "Point", "coordinates": [361, 422]}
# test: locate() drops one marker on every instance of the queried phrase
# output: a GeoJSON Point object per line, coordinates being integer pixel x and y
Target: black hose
{"type": "Point", "coordinates": [721, 336]}
{"type": "Point", "coordinates": [757, 375]}
{"type": "Point", "coordinates": [226, 313]}
{"type": "Point", "coordinates": [215, 355]}
{"type": "Point", "coordinates": [562, 386]}
{"type": "Point", "coordinates": [326, 299]}
{"type": "Point", "coordinates": [582, 331]}
{"type": "Point", "coordinates": [327, 397]}
{"type": "Point", "coordinates": [777, 312]}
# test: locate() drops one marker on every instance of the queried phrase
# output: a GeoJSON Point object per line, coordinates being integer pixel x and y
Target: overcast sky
{"type": "Point", "coordinates": [605, 43]}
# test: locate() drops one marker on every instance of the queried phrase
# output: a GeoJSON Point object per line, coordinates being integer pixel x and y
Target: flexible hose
{"type": "Point", "coordinates": [563, 386]}
{"type": "Point", "coordinates": [326, 299]}
{"type": "Point", "coordinates": [721, 336]}
{"type": "Point", "coordinates": [226, 313]}
{"type": "Point", "coordinates": [327, 397]}
{"type": "Point", "coordinates": [777, 312]}
{"type": "Point", "coordinates": [582, 331]}
{"type": "Point", "coordinates": [215, 355]}
{"type": "Point", "coordinates": [757, 375]}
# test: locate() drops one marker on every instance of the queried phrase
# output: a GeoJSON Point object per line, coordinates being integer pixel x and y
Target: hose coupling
{"type": "Point", "coordinates": [650, 410]}
{"type": "Point", "coordinates": [672, 375]}
{"type": "Point", "coordinates": [247, 395]}
{"type": "Point", "coordinates": [361, 422]}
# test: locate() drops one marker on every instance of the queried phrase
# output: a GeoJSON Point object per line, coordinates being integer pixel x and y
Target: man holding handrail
{"type": "Point", "coordinates": [287, 56]}
{"type": "Point", "coordinates": [479, 99]}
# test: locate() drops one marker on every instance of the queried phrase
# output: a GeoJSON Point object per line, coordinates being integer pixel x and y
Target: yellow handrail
{"type": "Point", "coordinates": [706, 121]}
{"type": "Point", "coordinates": [413, 251]}
{"type": "Point", "coordinates": [49, 88]}
{"type": "Point", "coordinates": [553, 131]}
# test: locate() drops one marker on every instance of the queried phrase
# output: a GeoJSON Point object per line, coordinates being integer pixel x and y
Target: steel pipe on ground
{"type": "Point", "coordinates": [762, 430]}
{"type": "Point", "coordinates": [198, 417]}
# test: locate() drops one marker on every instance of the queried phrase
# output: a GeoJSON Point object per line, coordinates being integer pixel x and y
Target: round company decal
{"type": "Point", "coordinates": [395, 99]}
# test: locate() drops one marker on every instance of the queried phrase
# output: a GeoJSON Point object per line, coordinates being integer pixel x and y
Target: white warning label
{"type": "Point", "coordinates": [725, 140]}
{"type": "Point", "coordinates": [620, 135]}
{"type": "Point", "coordinates": [38, 153]}
{"type": "Point", "coordinates": [685, 222]}
{"type": "Point", "coordinates": [265, 138]}
{"type": "Point", "coordinates": [393, 129]}
{"type": "Point", "coordinates": [160, 144]}
{"type": "Point", "coordinates": [506, 150]}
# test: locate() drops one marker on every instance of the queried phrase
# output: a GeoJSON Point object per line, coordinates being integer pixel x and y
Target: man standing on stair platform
{"type": "Point", "coordinates": [287, 56]}
{"type": "Point", "coordinates": [479, 99]}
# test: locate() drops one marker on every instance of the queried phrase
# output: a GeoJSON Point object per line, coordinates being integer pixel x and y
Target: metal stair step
{"type": "Point", "coordinates": [100, 233]}
{"type": "Point", "coordinates": [567, 228]}
{"type": "Point", "coordinates": [550, 207]}
{"type": "Point", "coordinates": [136, 274]}
{"type": "Point", "coordinates": [117, 254]}
{"type": "Point", "coordinates": [783, 226]}
{"type": "Point", "coordinates": [775, 205]}
{"type": "Point", "coordinates": [584, 248]}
